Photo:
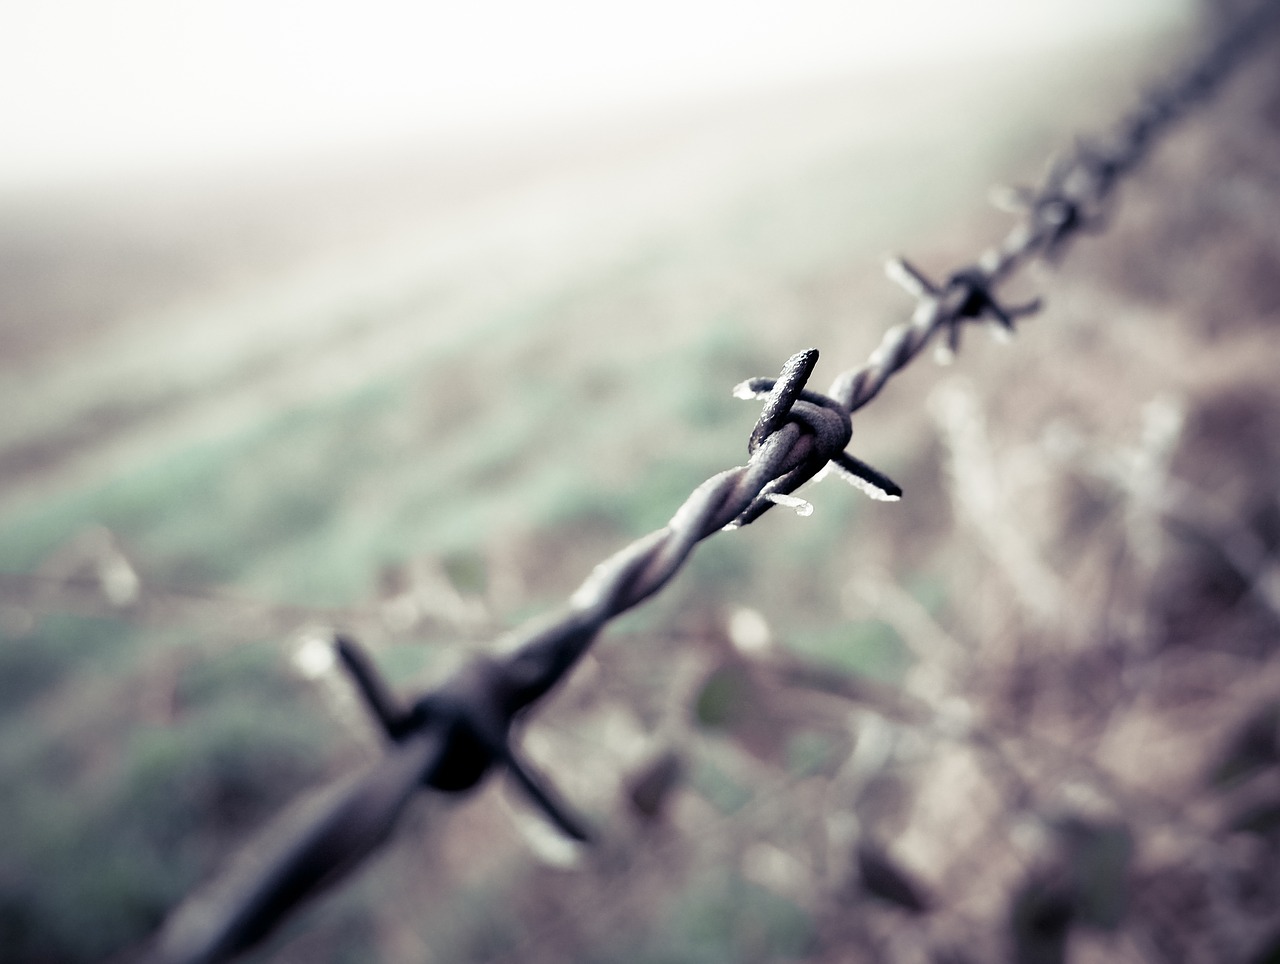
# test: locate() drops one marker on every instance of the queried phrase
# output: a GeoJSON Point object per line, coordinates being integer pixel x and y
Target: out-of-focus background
{"type": "Point", "coordinates": [398, 319]}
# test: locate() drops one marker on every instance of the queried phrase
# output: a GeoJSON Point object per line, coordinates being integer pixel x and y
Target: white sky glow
{"type": "Point", "coordinates": [97, 86]}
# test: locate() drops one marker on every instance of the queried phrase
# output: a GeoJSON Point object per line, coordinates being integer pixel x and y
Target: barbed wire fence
{"type": "Point", "coordinates": [450, 738]}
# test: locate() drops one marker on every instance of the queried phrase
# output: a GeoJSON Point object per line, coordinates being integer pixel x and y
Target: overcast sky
{"type": "Point", "coordinates": [110, 86]}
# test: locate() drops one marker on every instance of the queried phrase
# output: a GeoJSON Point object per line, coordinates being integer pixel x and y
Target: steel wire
{"type": "Point", "coordinates": [451, 737]}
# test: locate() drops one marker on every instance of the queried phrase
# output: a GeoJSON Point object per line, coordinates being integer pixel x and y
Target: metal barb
{"type": "Point", "coordinates": [968, 295]}
{"type": "Point", "coordinates": [777, 405]}
{"type": "Point", "coordinates": [1061, 208]}
{"type": "Point", "coordinates": [825, 430]}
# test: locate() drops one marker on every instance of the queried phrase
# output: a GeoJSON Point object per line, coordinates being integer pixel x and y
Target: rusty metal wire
{"type": "Point", "coordinates": [451, 737]}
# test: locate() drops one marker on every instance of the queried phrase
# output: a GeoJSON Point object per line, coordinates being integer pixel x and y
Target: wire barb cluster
{"type": "Point", "coordinates": [450, 738]}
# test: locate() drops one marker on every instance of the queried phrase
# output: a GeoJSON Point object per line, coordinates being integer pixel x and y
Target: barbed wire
{"type": "Point", "coordinates": [450, 738]}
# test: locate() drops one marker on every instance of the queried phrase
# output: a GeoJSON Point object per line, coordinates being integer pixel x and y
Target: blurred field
{"type": "Point", "coordinates": [419, 397]}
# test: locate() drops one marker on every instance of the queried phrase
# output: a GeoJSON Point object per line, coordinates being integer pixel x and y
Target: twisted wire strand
{"type": "Point", "coordinates": [449, 738]}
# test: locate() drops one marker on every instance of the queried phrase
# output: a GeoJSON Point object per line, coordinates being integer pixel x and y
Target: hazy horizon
{"type": "Point", "coordinates": [91, 92]}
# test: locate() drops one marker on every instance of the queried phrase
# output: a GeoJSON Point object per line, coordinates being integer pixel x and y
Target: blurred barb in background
{"type": "Point", "coordinates": [399, 320]}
